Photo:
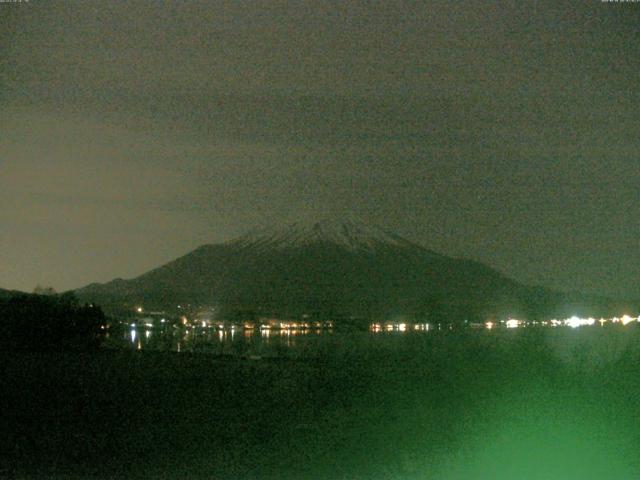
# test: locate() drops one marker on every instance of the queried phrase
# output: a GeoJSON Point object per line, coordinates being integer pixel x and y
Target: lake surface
{"type": "Point", "coordinates": [266, 342]}
{"type": "Point", "coordinates": [494, 404]}
{"type": "Point", "coordinates": [299, 339]}
{"type": "Point", "coordinates": [230, 341]}
{"type": "Point", "coordinates": [596, 343]}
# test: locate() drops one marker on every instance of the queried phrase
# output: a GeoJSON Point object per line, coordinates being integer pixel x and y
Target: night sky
{"type": "Point", "coordinates": [507, 132]}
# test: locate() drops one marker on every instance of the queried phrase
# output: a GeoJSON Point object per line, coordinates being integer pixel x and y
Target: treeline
{"type": "Point", "coordinates": [31, 322]}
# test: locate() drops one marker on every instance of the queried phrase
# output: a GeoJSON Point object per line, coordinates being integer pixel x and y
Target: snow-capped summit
{"type": "Point", "coordinates": [350, 234]}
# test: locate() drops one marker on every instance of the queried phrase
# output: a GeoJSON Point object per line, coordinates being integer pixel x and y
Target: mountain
{"type": "Point", "coordinates": [6, 294]}
{"type": "Point", "coordinates": [336, 270]}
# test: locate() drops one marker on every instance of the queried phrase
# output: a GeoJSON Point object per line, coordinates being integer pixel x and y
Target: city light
{"type": "Point", "coordinates": [513, 323]}
{"type": "Point", "coordinates": [627, 319]}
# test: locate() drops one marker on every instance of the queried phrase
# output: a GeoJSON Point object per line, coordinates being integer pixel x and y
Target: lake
{"type": "Point", "coordinates": [596, 344]}
{"type": "Point", "coordinates": [499, 404]}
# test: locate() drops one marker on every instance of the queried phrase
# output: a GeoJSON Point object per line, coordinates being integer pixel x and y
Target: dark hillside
{"type": "Point", "coordinates": [338, 271]}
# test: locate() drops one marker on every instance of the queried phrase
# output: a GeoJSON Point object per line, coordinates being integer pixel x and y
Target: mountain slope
{"type": "Point", "coordinates": [6, 294]}
{"type": "Point", "coordinates": [330, 270]}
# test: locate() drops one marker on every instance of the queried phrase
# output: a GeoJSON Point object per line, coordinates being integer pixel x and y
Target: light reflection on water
{"type": "Point", "coordinates": [211, 340]}
{"type": "Point", "coordinates": [266, 340]}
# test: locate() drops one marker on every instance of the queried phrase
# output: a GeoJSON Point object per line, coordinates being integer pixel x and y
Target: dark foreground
{"type": "Point", "coordinates": [553, 404]}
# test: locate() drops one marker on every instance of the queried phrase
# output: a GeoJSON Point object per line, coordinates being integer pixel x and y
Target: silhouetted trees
{"type": "Point", "coordinates": [49, 323]}
{"type": "Point", "coordinates": [40, 290]}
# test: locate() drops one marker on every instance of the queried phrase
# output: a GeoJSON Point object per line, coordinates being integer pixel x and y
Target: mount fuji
{"type": "Point", "coordinates": [338, 270]}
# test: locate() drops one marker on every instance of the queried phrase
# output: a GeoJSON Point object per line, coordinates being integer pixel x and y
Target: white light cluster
{"type": "Point", "coordinates": [572, 322]}
{"type": "Point", "coordinates": [625, 319]}
{"type": "Point", "coordinates": [575, 322]}
{"type": "Point", "coordinates": [513, 323]}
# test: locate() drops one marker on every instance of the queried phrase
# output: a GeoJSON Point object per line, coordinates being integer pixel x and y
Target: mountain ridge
{"type": "Point", "coordinates": [337, 270]}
